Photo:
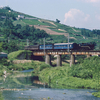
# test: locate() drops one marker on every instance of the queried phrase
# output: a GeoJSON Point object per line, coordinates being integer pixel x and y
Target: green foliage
{"type": "Point", "coordinates": [58, 39]}
{"type": "Point", "coordinates": [10, 46]}
{"type": "Point", "coordinates": [58, 21]}
{"type": "Point", "coordinates": [14, 55]}
{"type": "Point", "coordinates": [21, 66]}
{"type": "Point", "coordinates": [43, 66]}
{"type": "Point", "coordinates": [89, 68]}
{"type": "Point", "coordinates": [8, 23]}
{"type": "Point", "coordinates": [58, 78]}
{"type": "Point", "coordinates": [20, 29]}
{"type": "Point", "coordinates": [96, 94]}
{"type": "Point", "coordinates": [1, 97]}
{"type": "Point", "coordinates": [39, 67]}
{"type": "Point", "coordinates": [53, 73]}
{"type": "Point", "coordinates": [4, 62]}
{"type": "Point", "coordinates": [80, 72]}
{"type": "Point", "coordinates": [0, 46]}
{"type": "Point", "coordinates": [34, 22]}
{"type": "Point", "coordinates": [22, 32]}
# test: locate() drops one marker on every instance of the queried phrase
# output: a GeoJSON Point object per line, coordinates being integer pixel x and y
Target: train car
{"type": "Point", "coordinates": [71, 46]}
{"type": "Point", "coordinates": [32, 47]}
{"type": "Point", "coordinates": [62, 46]}
{"type": "Point", "coordinates": [47, 46]}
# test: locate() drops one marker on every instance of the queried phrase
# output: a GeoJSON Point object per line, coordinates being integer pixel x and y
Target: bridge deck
{"type": "Point", "coordinates": [65, 52]}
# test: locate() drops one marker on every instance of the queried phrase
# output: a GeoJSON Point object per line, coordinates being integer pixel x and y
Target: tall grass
{"type": "Point", "coordinates": [1, 97]}
{"type": "Point", "coordinates": [14, 55]}
{"type": "Point", "coordinates": [84, 75]}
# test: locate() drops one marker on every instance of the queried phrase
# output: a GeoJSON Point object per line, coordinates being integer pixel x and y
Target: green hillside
{"type": "Point", "coordinates": [17, 27]}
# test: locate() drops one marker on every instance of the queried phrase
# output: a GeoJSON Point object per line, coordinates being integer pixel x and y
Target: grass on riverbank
{"type": "Point", "coordinates": [59, 78]}
{"type": "Point", "coordinates": [83, 75]}
{"type": "Point", "coordinates": [14, 55]}
{"type": "Point", "coordinates": [96, 94]}
{"type": "Point", "coordinates": [1, 97]}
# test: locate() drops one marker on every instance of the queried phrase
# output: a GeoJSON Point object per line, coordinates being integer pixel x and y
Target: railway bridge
{"type": "Point", "coordinates": [72, 54]}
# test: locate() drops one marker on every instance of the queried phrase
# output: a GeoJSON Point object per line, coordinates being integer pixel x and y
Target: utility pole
{"type": "Point", "coordinates": [8, 39]}
{"type": "Point", "coordinates": [27, 42]}
{"type": "Point", "coordinates": [44, 48]}
{"type": "Point", "coordinates": [68, 42]}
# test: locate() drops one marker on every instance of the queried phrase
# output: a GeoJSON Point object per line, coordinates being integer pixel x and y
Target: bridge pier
{"type": "Point", "coordinates": [88, 56]}
{"type": "Point", "coordinates": [59, 60]}
{"type": "Point", "coordinates": [72, 62]}
{"type": "Point", "coordinates": [48, 59]}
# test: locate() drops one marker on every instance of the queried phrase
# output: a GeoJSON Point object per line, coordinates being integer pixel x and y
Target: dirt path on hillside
{"type": "Point", "coordinates": [49, 31]}
{"type": "Point", "coordinates": [47, 22]}
{"type": "Point", "coordinates": [76, 30]}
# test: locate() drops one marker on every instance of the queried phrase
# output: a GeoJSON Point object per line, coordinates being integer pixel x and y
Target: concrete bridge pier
{"type": "Point", "coordinates": [59, 60]}
{"type": "Point", "coordinates": [88, 56]}
{"type": "Point", "coordinates": [48, 59]}
{"type": "Point", "coordinates": [72, 62]}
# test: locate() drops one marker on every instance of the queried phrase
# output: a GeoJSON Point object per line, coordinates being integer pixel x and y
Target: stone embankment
{"type": "Point", "coordinates": [4, 89]}
{"type": "Point", "coordinates": [21, 61]}
{"type": "Point", "coordinates": [39, 82]}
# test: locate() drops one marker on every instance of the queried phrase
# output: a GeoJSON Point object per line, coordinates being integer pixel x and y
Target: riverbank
{"type": "Point", "coordinates": [85, 74]}
{"type": "Point", "coordinates": [1, 97]}
{"type": "Point", "coordinates": [59, 78]}
{"type": "Point", "coordinates": [16, 86]}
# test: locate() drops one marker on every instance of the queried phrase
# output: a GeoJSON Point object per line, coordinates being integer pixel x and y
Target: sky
{"type": "Point", "coordinates": [74, 13]}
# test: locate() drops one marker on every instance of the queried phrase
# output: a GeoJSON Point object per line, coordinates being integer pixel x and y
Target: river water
{"type": "Point", "coordinates": [30, 91]}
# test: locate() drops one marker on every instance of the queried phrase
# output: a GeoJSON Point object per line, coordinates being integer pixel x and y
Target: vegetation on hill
{"type": "Point", "coordinates": [18, 29]}
{"type": "Point", "coordinates": [11, 34]}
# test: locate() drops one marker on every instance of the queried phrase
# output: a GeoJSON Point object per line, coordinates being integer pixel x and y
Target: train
{"type": "Point", "coordinates": [62, 46]}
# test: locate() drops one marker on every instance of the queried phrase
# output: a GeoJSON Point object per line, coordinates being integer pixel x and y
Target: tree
{"type": "Point", "coordinates": [18, 26]}
{"type": "Point", "coordinates": [10, 47]}
{"type": "Point", "coordinates": [0, 46]}
{"type": "Point", "coordinates": [58, 21]}
{"type": "Point", "coordinates": [8, 23]}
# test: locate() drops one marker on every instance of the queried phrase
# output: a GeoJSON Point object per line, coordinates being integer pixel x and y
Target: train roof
{"type": "Point", "coordinates": [62, 43]}
{"type": "Point", "coordinates": [47, 44]}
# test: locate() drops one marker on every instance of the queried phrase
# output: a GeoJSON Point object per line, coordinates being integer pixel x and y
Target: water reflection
{"type": "Point", "coordinates": [25, 71]}
{"type": "Point", "coordinates": [34, 91]}
{"type": "Point", "coordinates": [54, 94]}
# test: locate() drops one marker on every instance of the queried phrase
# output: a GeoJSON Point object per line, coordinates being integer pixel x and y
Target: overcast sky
{"type": "Point", "coordinates": [78, 13]}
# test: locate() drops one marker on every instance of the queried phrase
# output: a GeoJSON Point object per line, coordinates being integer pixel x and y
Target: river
{"type": "Point", "coordinates": [26, 90]}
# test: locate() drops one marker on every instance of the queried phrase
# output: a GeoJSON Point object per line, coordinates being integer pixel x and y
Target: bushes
{"type": "Point", "coordinates": [53, 74]}
{"type": "Point", "coordinates": [80, 72]}
{"type": "Point", "coordinates": [1, 97]}
{"type": "Point", "coordinates": [58, 78]}
{"type": "Point", "coordinates": [43, 66]}
{"type": "Point", "coordinates": [88, 69]}
{"type": "Point", "coordinates": [4, 62]}
{"type": "Point", "coordinates": [96, 94]}
{"type": "Point", "coordinates": [83, 75]}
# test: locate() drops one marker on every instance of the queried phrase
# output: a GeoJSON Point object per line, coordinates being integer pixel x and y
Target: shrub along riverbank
{"type": "Point", "coordinates": [1, 97]}
{"type": "Point", "coordinates": [82, 75]}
